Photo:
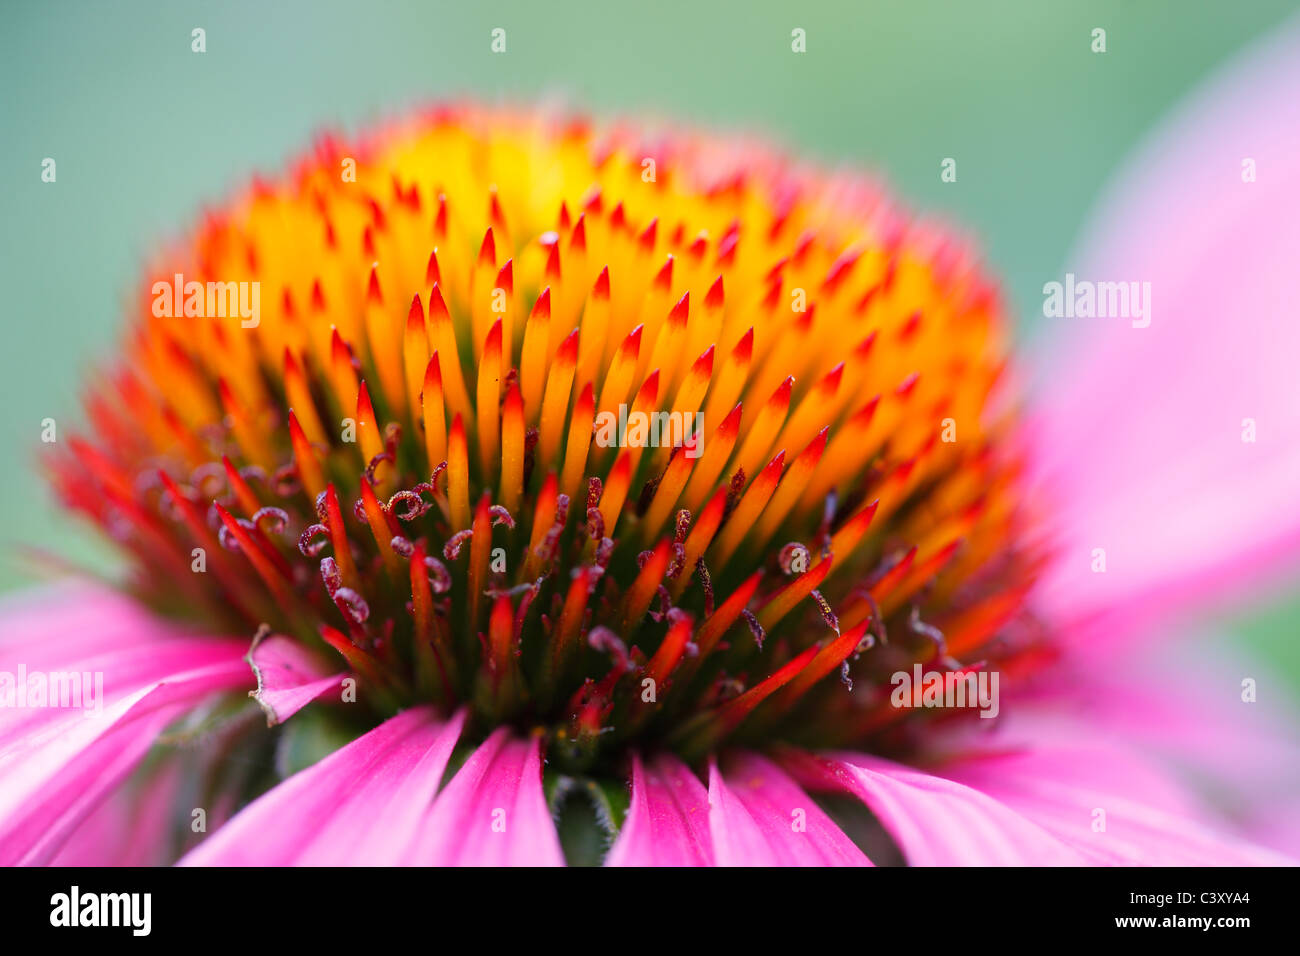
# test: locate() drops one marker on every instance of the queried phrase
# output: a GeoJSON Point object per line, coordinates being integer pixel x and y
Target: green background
{"type": "Point", "coordinates": [144, 132]}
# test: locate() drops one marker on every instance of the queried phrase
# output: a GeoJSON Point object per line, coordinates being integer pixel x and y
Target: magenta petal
{"type": "Point", "coordinates": [58, 764]}
{"type": "Point", "coordinates": [760, 817]}
{"type": "Point", "coordinates": [1197, 722]}
{"type": "Point", "coordinates": [64, 622]}
{"type": "Point", "coordinates": [1096, 800]}
{"type": "Point", "coordinates": [493, 812]}
{"type": "Point", "coordinates": [668, 821]}
{"type": "Point", "coordinates": [935, 821]}
{"type": "Point", "coordinates": [289, 677]}
{"type": "Point", "coordinates": [361, 805]}
{"type": "Point", "coordinates": [132, 827]}
{"type": "Point", "coordinates": [1143, 433]}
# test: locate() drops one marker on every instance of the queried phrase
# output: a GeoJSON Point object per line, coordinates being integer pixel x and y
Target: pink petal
{"type": "Point", "coordinates": [934, 821]}
{"type": "Point", "coordinates": [132, 827]}
{"type": "Point", "coordinates": [668, 821]}
{"type": "Point", "coordinates": [69, 620]}
{"type": "Point", "coordinates": [493, 812]}
{"type": "Point", "coordinates": [289, 677]}
{"type": "Point", "coordinates": [1170, 723]}
{"type": "Point", "coordinates": [1063, 790]}
{"type": "Point", "coordinates": [361, 805]}
{"type": "Point", "coordinates": [1140, 429]}
{"type": "Point", "coordinates": [58, 764]}
{"type": "Point", "coordinates": [760, 817]}
{"type": "Point", "coordinates": [1196, 721]}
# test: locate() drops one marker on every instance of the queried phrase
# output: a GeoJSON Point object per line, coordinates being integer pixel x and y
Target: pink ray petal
{"type": "Point", "coordinates": [1096, 801]}
{"type": "Point", "coordinates": [493, 812]}
{"type": "Point", "coordinates": [132, 827]}
{"type": "Point", "coordinates": [758, 816]}
{"type": "Point", "coordinates": [1196, 722]}
{"type": "Point", "coordinates": [1172, 731]}
{"type": "Point", "coordinates": [70, 620]}
{"type": "Point", "coordinates": [289, 677]}
{"type": "Point", "coordinates": [127, 675]}
{"type": "Point", "coordinates": [361, 805]}
{"type": "Point", "coordinates": [88, 631]}
{"type": "Point", "coordinates": [58, 764]}
{"type": "Point", "coordinates": [1140, 430]}
{"type": "Point", "coordinates": [935, 821]}
{"type": "Point", "coordinates": [668, 821]}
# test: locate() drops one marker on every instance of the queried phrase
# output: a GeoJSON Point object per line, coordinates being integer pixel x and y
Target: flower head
{"type": "Point", "coordinates": [635, 443]}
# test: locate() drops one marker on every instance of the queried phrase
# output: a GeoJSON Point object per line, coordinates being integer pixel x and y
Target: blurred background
{"type": "Point", "coordinates": [145, 132]}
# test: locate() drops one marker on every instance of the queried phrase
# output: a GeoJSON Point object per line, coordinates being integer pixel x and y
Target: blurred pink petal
{"type": "Point", "coordinates": [132, 827]}
{"type": "Point", "coordinates": [758, 816]}
{"type": "Point", "coordinates": [1104, 804]}
{"type": "Point", "coordinates": [1140, 430]}
{"type": "Point", "coordinates": [493, 812]}
{"type": "Point", "coordinates": [289, 677]}
{"type": "Point", "coordinates": [933, 820]}
{"type": "Point", "coordinates": [1141, 744]}
{"type": "Point", "coordinates": [361, 805]}
{"type": "Point", "coordinates": [68, 621]}
{"type": "Point", "coordinates": [58, 764]}
{"type": "Point", "coordinates": [1188, 713]}
{"type": "Point", "coordinates": [668, 821]}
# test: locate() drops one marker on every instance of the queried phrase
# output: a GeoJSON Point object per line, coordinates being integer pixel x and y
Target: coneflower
{"type": "Point", "coordinates": [552, 463]}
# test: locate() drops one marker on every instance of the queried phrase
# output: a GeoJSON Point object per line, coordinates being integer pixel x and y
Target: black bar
{"type": "Point", "coordinates": [500, 909]}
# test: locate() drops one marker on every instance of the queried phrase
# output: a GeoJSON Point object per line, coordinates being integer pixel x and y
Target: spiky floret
{"type": "Point", "coordinates": [397, 460]}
